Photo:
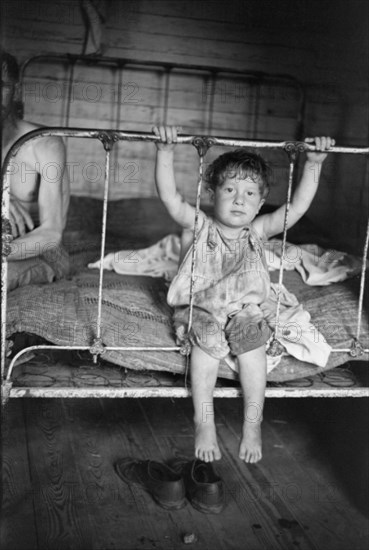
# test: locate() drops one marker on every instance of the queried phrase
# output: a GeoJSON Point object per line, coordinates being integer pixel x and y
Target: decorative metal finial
{"type": "Point", "coordinates": [97, 347]}
{"type": "Point", "coordinates": [356, 348]}
{"type": "Point", "coordinates": [292, 149]}
{"type": "Point", "coordinates": [108, 139]}
{"type": "Point", "coordinates": [202, 144]}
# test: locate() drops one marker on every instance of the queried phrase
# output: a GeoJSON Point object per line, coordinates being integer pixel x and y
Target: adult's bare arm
{"type": "Point", "coordinates": [50, 156]}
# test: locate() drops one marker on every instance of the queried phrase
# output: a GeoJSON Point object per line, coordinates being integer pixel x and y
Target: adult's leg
{"type": "Point", "coordinates": [25, 272]}
{"type": "Point", "coordinates": [52, 265]}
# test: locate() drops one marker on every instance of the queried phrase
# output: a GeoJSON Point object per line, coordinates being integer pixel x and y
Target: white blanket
{"type": "Point", "coordinates": [316, 266]}
{"type": "Point", "coordinates": [159, 260]}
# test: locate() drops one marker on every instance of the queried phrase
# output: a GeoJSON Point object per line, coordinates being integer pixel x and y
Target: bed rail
{"type": "Point", "coordinates": [202, 143]}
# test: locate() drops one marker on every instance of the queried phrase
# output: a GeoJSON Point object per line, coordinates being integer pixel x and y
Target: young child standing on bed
{"type": "Point", "coordinates": [231, 278]}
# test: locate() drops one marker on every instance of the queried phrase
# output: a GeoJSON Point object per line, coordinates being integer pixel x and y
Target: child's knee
{"type": "Point", "coordinates": [209, 336]}
{"type": "Point", "coordinates": [209, 333]}
{"type": "Point", "coordinates": [246, 336]}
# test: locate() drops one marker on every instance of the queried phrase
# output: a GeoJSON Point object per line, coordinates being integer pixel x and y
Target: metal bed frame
{"type": "Point", "coordinates": [97, 348]}
{"type": "Point", "coordinates": [210, 75]}
{"type": "Point", "coordinates": [202, 143]}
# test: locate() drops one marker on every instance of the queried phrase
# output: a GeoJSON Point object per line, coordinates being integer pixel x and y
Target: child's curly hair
{"type": "Point", "coordinates": [241, 163]}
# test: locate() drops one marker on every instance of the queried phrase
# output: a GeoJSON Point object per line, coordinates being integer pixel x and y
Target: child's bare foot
{"type": "Point", "coordinates": [250, 446]}
{"type": "Point", "coordinates": [206, 444]}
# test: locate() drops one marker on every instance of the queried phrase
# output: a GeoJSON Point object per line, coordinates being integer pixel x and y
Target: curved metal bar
{"type": "Point", "coordinates": [32, 348]}
{"type": "Point", "coordinates": [84, 348]}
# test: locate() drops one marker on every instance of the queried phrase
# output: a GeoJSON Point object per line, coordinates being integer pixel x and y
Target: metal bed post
{"type": "Point", "coordinates": [118, 96]}
{"type": "Point", "coordinates": [255, 125]}
{"type": "Point", "coordinates": [209, 89]}
{"type": "Point", "coordinates": [167, 74]}
{"type": "Point", "coordinates": [108, 142]}
{"type": "Point", "coordinates": [202, 143]}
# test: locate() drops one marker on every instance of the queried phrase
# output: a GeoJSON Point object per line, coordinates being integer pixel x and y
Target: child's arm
{"type": "Point", "coordinates": [182, 212]}
{"type": "Point", "coordinates": [272, 224]}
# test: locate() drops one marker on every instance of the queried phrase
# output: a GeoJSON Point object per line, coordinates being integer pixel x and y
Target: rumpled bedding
{"type": "Point", "coordinates": [134, 308]}
{"type": "Point", "coordinates": [300, 338]}
{"type": "Point", "coordinates": [159, 260]}
{"type": "Point", "coordinates": [135, 313]}
{"type": "Point", "coordinates": [317, 267]}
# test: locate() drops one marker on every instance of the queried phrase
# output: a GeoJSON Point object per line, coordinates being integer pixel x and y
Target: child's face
{"type": "Point", "coordinates": [237, 201]}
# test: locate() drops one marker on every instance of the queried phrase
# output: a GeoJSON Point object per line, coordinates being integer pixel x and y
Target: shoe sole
{"type": "Point", "coordinates": [170, 505]}
{"type": "Point", "coordinates": [216, 509]}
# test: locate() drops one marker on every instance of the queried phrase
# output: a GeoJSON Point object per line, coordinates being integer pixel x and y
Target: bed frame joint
{"type": "Point", "coordinates": [275, 348]}
{"type": "Point", "coordinates": [108, 139]}
{"type": "Point", "coordinates": [202, 144]}
{"type": "Point", "coordinates": [356, 348]}
{"type": "Point", "coordinates": [97, 348]}
{"type": "Point", "coordinates": [293, 148]}
{"type": "Point", "coordinates": [185, 348]}
{"type": "Point", "coordinates": [5, 392]}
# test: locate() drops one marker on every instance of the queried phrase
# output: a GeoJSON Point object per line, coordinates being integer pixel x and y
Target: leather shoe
{"type": "Point", "coordinates": [204, 488]}
{"type": "Point", "coordinates": [165, 485]}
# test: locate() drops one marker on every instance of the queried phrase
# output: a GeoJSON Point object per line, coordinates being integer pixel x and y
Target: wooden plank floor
{"type": "Point", "coordinates": [60, 490]}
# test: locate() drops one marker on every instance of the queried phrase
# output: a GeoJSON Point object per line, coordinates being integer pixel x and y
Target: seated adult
{"type": "Point", "coordinates": [39, 192]}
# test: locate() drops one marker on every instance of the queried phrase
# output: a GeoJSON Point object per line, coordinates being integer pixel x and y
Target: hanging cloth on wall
{"type": "Point", "coordinates": [93, 14]}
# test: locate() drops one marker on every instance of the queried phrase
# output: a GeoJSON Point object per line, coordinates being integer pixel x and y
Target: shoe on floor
{"type": "Point", "coordinates": [165, 485]}
{"type": "Point", "coordinates": [204, 488]}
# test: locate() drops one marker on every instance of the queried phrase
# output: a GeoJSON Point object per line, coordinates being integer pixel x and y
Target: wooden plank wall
{"type": "Point", "coordinates": [323, 44]}
{"type": "Point", "coordinates": [133, 98]}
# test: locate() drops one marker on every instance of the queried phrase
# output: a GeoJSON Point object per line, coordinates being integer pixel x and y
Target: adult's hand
{"type": "Point", "coordinates": [20, 219]}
